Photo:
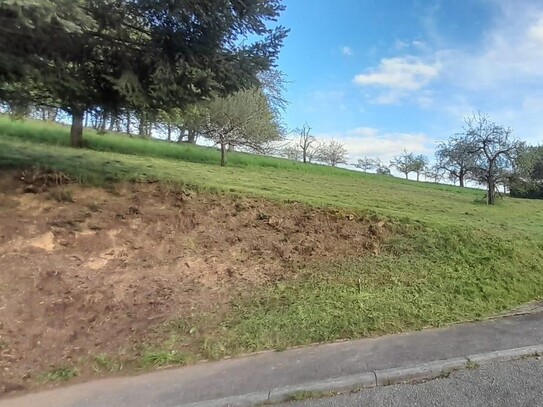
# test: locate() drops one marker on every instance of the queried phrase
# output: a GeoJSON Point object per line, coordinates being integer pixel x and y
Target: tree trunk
{"type": "Point", "coordinates": [103, 120]}
{"type": "Point", "coordinates": [111, 123]}
{"type": "Point", "coordinates": [76, 131]}
{"type": "Point", "coordinates": [169, 132]}
{"type": "Point", "coordinates": [53, 115]}
{"type": "Point", "coordinates": [128, 123]}
{"type": "Point", "coordinates": [191, 137]}
{"type": "Point", "coordinates": [406, 175]}
{"type": "Point", "coordinates": [491, 196]}
{"type": "Point", "coordinates": [142, 131]}
{"type": "Point", "coordinates": [43, 114]}
{"type": "Point", "coordinates": [461, 180]}
{"type": "Point", "coordinates": [223, 154]}
{"type": "Point", "coordinates": [86, 120]}
{"type": "Point", "coordinates": [304, 154]}
{"type": "Point", "coordinates": [418, 176]}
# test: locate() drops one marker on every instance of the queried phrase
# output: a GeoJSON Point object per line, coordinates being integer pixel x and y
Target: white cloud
{"type": "Point", "coordinates": [418, 44]}
{"type": "Point", "coordinates": [406, 73]}
{"type": "Point", "coordinates": [347, 51]}
{"type": "Point", "coordinates": [401, 76]}
{"type": "Point", "coordinates": [510, 53]}
{"type": "Point", "coordinates": [400, 45]}
{"type": "Point", "coordinates": [370, 142]}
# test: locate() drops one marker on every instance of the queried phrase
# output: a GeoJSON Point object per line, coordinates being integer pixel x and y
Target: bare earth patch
{"type": "Point", "coordinates": [88, 271]}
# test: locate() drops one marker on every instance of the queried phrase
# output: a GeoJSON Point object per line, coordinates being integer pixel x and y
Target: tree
{"type": "Point", "coordinates": [273, 84]}
{"type": "Point", "coordinates": [309, 146]}
{"type": "Point", "coordinates": [494, 151]}
{"type": "Point", "coordinates": [333, 153]}
{"type": "Point", "coordinates": [455, 157]}
{"type": "Point", "coordinates": [291, 152]}
{"type": "Point", "coordinates": [243, 119]}
{"type": "Point", "coordinates": [147, 55]}
{"type": "Point", "coordinates": [382, 170]}
{"type": "Point", "coordinates": [404, 163]}
{"type": "Point", "coordinates": [435, 173]}
{"type": "Point", "coordinates": [526, 181]}
{"type": "Point", "coordinates": [420, 163]}
{"type": "Point", "coordinates": [367, 164]}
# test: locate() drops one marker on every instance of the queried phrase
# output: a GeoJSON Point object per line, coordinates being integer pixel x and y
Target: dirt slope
{"type": "Point", "coordinates": [86, 271]}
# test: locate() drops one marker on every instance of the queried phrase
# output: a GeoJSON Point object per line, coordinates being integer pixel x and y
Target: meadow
{"type": "Point", "coordinates": [448, 258]}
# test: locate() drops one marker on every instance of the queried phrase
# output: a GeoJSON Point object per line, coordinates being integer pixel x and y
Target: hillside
{"type": "Point", "coordinates": [184, 260]}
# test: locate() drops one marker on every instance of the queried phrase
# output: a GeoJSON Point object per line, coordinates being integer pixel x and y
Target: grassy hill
{"type": "Point", "coordinates": [447, 256]}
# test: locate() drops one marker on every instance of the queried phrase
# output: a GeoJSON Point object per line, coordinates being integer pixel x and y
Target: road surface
{"type": "Point", "coordinates": [508, 384]}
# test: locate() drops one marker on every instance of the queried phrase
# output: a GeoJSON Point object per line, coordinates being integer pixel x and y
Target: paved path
{"type": "Point", "coordinates": [272, 370]}
{"type": "Point", "coordinates": [508, 384]}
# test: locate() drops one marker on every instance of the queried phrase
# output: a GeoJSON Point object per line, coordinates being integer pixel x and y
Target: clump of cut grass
{"type": "Point", "coordinates": [59, 374]}
{"type": "Point", "coordinates": [106, 363]}
{"type": "Point", "coordinates": [161, 358]}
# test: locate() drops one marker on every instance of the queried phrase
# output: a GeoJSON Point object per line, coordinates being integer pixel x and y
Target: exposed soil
{"type": "Point", "coordinates": [86, 271]}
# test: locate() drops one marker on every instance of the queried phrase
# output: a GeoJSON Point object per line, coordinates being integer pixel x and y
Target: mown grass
{"type": "Point", "coordinates": [59, 135]}
{"type": "Point", "coordinates": [449, 257]}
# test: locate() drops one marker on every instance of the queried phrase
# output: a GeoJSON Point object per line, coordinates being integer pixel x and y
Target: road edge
{"type": "Point", "coordinates": [387, 377]}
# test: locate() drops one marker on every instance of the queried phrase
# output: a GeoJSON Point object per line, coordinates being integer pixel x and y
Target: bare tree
{"type": "Point", "coordinates": [420, 163]}
{"type": "Point", "coordinates": [291, 152]}
{"type": "Point", "coordinates": [493, 149]}
{"type": "Point", "coordinates": [333, 153]}
{"type": "Point", "coordinates": [367, 164]}
{"type": "Point", "coordinates": [404, 163]}
{"type": "Point", "coordinates": [382, 169]}
{"type": "Point", "coordinates": [435, 173]}
{"type": "Point", "coordinates": [456, 158]}
{"type": "Point", "coordinates": [273, 83]}
{"type": "Point", "coordinates": [308, 145]}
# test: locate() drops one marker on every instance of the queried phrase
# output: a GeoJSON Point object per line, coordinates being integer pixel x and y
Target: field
{"type": "Point", "coordinates": [188, 261]}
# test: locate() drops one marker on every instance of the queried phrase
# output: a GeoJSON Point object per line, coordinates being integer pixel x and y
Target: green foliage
{"type": "Point", "coordinates": [243, 119]}
{"type": "Point", "coordinates": [527, 180]}
{"type": "Point", "coordinates": [145, 54]}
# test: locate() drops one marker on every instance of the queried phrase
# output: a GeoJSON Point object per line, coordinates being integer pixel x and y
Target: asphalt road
{"type": "Point", "coordinates": [508, 384]}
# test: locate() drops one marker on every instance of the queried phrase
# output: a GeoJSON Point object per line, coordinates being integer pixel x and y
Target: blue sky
{"type": "Point", "coordinates": [383, 75]}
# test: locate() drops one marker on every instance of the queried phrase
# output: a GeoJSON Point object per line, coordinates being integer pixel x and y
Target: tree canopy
{"type": "Point", "coordinates": [494, 151]}
{"type": "Point", "coordinates": [243, 119]}
{"type": "Point", "coordinates": [142, 54]}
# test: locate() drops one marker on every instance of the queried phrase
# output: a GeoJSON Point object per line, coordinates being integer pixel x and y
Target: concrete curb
{"type": "Point", "coordinates": [386, 377]}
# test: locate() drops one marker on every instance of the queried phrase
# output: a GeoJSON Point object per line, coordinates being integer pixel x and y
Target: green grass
{"type": "Point", "coordinates": [161, 357]}
{"type": "Point", "coordinates": [450, 258]}
{"type": "Point", "coordinates": [105, 363]}
{"type": "Point", "coordinates": [59, 374]}
{"type": "Point", "coordinates": [58, 135]}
